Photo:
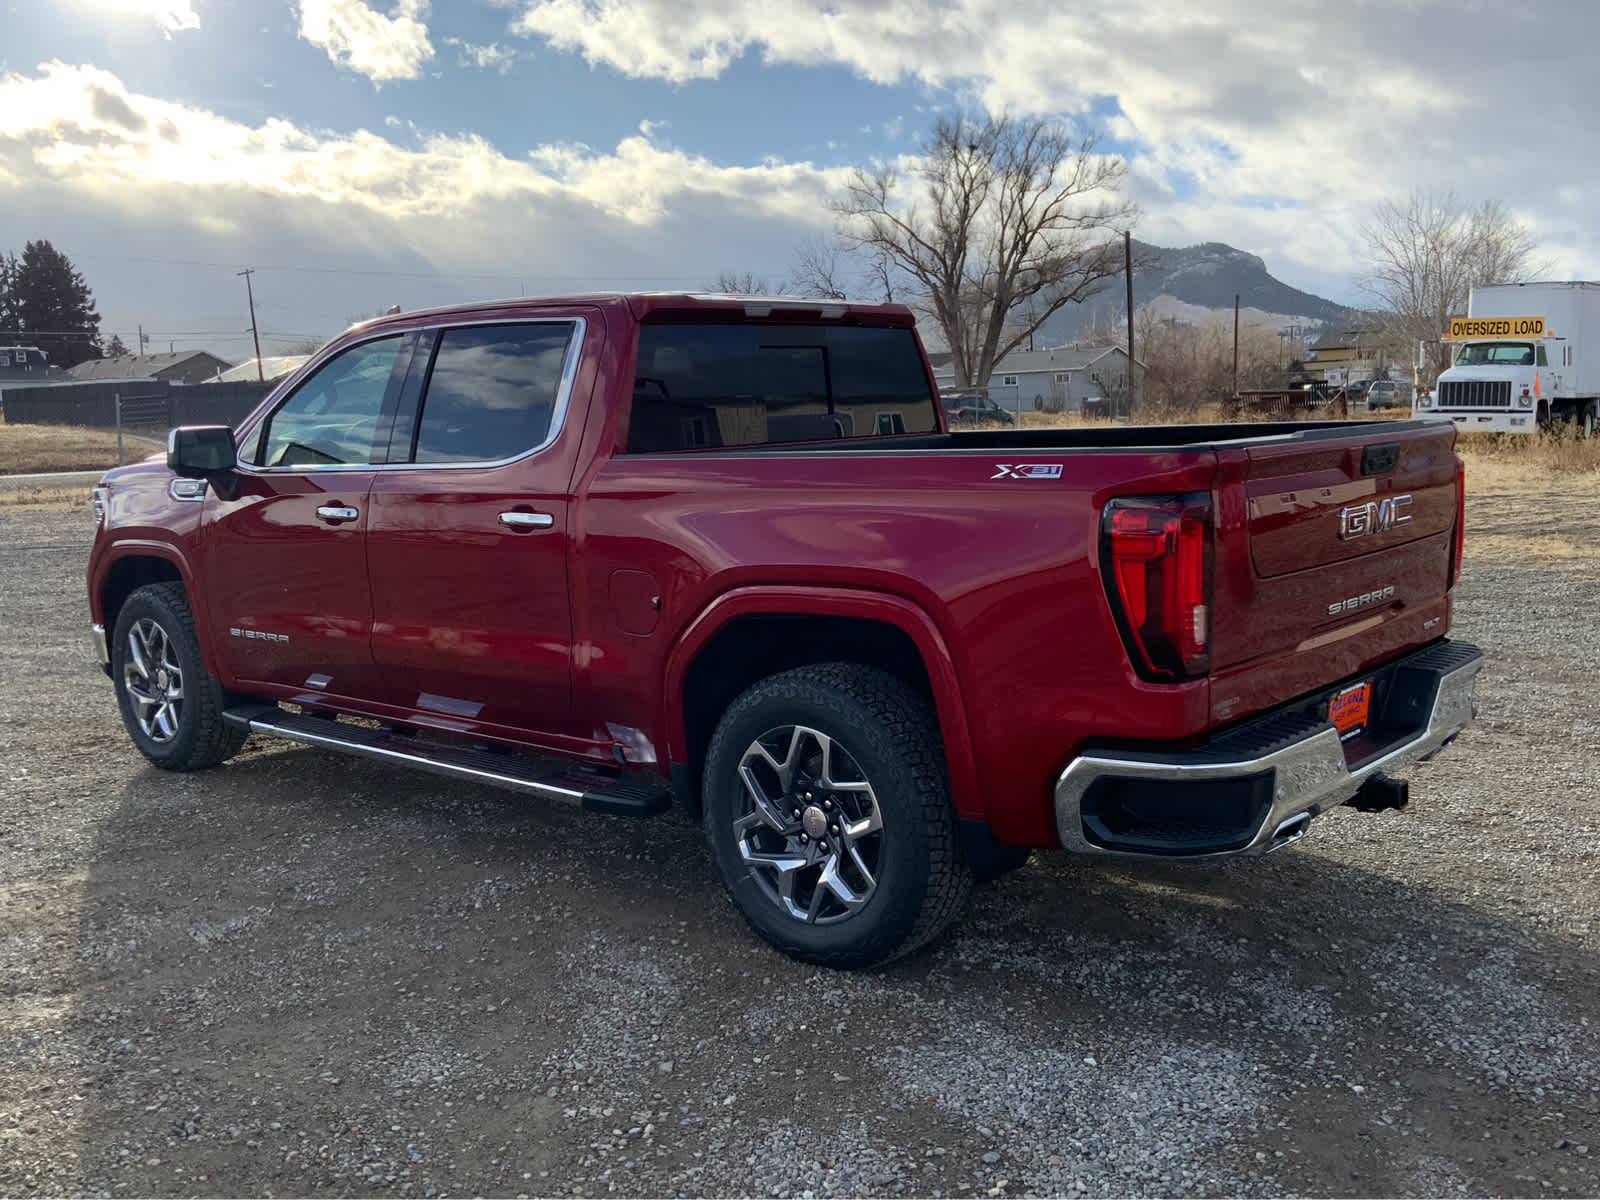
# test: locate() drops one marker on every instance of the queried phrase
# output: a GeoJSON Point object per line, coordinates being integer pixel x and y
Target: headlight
{"type": "Point", "coordinates": [1524, 400]}
{"type": "Point", "coordinates": [100, 501]}
{"type": "Point", "coordinates": [1424, 400]}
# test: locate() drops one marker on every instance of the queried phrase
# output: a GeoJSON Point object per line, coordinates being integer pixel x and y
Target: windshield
{"type": "Point", "coordinates": [1513, 354]}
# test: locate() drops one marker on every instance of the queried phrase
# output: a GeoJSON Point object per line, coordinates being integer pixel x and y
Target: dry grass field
{"type": "Point", "coordinates": [38, 449]}
{"type": "Point", "coordinates": [1534, 502]}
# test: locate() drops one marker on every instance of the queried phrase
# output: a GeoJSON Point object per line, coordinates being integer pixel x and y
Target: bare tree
{"type": "Point", "coordinates": [1430, 252]}
{"type": "Point", "coordinates": [745, 284]}
{"type": "Point", "coordinates": [1012, 213]}
{"type": "Point", "coordinates": [818, 269]}
{"type": "Point", "coordinates": [822, 267]}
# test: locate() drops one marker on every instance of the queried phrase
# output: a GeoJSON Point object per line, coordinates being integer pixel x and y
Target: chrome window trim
{"type": "Point", "coordinates": [558, 413]}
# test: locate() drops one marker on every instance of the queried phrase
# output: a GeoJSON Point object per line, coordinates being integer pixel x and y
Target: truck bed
{"type": "Point", "coordinates": [1096, 437]}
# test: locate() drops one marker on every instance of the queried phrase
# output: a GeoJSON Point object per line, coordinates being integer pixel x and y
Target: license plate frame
{"type": "Point", "coordinates": [1350, 710]}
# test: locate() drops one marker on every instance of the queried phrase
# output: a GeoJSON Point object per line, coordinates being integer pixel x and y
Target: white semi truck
{"type": "Point", "coordinates": [1525, 357]}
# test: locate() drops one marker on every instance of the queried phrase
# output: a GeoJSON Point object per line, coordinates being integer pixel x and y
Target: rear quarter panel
{"type": "Point", "coordinates": [1006, 570]}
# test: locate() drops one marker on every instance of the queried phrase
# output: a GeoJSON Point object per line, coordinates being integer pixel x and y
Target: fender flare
{"type": "Point", "coordinates": [903, 614]}
{"type": "Point", "coordinates": [167, 552]}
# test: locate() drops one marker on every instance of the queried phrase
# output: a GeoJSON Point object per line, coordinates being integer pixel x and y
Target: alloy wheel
{"type": "Point", "coordinates": [153, 679]}
{"type": "Point", "coordinates": [811, 833]}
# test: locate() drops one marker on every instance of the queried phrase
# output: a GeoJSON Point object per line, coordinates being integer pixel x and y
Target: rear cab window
{"type": "Point", "coordinates": [724, 384]}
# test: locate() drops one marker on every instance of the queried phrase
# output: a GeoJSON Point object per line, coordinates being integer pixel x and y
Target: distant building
{"type": "Point", "coordinates": [1057, 380]}
{"type": "Point", "coordinates": [272, 367]}
{"type": "Point", "coordinates": [185, 366]}
{"type": "Point", "coordinates": [27, 366]}
{"type": "Point", "coordinates": [1350, 354]}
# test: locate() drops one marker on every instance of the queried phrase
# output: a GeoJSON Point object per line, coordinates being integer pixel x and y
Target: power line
{"type": "Point", "coordinates": [161, 333]}
{"type": "Point", "coordinates": [373, 271]}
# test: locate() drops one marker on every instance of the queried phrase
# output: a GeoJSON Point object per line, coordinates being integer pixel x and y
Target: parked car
{"type": "Point", "coordinates": [974, 408]}
{"type": "Point", "coordinates": [630, 552]}
{"type": "Point", "coordinates": [1383, 393]}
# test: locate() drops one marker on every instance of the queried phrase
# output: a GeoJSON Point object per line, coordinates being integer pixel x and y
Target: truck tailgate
{"type": "Point", "coordinates": [1333, 554]}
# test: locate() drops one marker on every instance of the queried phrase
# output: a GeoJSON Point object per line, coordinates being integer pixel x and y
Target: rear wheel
{"type": "Point", "coordinates": [829, 816]}
{"type": "Point", "coordinates": [171, 705]}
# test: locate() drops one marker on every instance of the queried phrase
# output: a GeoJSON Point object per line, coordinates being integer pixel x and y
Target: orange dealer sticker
{"type": "Point", "coordinates": [1350, 709]}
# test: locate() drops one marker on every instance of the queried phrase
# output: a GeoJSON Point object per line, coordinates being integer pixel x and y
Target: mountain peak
{"type": "Point", "coordinates": [1209, 257]}
{"type": "Point", "coordinates": [1187, 279]}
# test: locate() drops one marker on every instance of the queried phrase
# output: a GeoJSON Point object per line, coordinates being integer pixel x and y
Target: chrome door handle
{"type": "Point", "coordinates": [336, 513]}
{"type": "Point", "coordinates": [526, 520]}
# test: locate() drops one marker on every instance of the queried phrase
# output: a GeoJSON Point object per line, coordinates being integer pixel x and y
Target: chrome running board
{"type": "Point", "coordinates": [594, 792]}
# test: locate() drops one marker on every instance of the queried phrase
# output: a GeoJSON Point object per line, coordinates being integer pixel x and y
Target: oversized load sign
{"type": "Point", "coordinates": [1488, 327]}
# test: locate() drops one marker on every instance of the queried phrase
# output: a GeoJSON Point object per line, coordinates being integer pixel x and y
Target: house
{"type": "Point", "coordinates": [185, 366]}
{"type": "Point", "coordinates": [272, 367]}
{"type": "Point", "coordinates": [27, 366]}
{"type": "Point", "coordinates": [1057, 380]}
{"type": "Point", "coordinates": [1349, 354]}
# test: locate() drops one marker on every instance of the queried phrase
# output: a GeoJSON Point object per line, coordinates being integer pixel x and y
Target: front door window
{"type": "Point", "coordinates": [333, 417]}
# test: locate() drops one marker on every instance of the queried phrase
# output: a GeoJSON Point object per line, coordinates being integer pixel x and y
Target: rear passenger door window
{"type": "Point", "coordinates": [492, 392]}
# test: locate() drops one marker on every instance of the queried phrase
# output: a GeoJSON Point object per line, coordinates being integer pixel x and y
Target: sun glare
{"type": "Point", "coordinates": [171, 15]}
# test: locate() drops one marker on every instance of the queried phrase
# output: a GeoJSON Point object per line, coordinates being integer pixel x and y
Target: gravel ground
{"type": "Point", "coordinates": [305, 974]}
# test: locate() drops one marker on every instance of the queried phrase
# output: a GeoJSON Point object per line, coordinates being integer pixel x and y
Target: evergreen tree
{"type": "Point", "coordinates": [10, 322]}
{"type": "Point", "coordinates": [116, 349]}
{"type": "Point", "coordinates": [54, 306]}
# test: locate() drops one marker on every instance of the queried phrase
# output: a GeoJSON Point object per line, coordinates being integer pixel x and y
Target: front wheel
{"type": "Point", "coordinates": [828, 811]}
{"type": "Point", "coordinates": [171, 705]}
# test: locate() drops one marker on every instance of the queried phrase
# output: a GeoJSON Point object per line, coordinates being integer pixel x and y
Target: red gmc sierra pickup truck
{"type": "Point", "coordinates": [628, 551]}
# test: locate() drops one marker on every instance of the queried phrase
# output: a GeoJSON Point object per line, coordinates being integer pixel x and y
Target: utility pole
{"type": "Point", "coordinates": [1127, 270]}
{"type": "Point", "coordinates": [1236, 345]}
{"type": "Point", "coordinates": [250, 292]}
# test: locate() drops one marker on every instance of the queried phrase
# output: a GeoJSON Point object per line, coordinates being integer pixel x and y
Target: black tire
{"type": "Point", "coordinates": [189, 734]}
{"type": "Point", "coordinates": [915, 877]}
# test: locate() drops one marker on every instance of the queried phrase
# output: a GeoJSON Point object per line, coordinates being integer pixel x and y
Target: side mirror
{"type": "Point", "coordinates": [199, 451]}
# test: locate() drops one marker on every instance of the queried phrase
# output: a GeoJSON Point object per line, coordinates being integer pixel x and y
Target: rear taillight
{"type": "Point", "coordinates": [1155, 552]}
{"type": "Point", "coordinates": [1458, 548]}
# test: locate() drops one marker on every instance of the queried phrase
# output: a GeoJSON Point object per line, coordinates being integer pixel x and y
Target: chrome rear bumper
{"type": "Point", "coordinates": [1274, 774]}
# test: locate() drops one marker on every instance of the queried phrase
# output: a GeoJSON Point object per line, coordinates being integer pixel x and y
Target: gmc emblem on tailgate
{"type": "Point", "coordinates": [1375, 516]}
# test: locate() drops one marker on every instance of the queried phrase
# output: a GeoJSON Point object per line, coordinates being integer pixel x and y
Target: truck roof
{"type": "Point", "coordinates": [1537, 285]}
{"type": "Point", "coordinates": [668, 305]}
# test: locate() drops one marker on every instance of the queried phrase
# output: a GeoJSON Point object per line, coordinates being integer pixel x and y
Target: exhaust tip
{"type": "Point", "coordinates": [1290, 831]}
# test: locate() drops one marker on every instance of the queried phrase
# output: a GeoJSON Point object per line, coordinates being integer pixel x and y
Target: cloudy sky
{"type": "Point", "coordinates": [362, 154]}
